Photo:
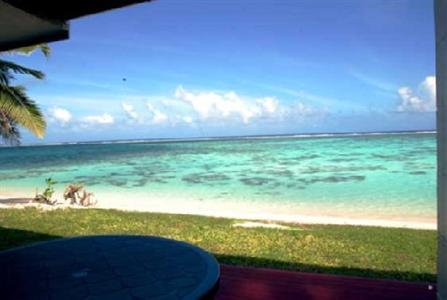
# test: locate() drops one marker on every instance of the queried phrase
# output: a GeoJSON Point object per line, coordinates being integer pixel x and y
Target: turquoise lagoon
{"type": "Point", "coordinates": [374, 176]}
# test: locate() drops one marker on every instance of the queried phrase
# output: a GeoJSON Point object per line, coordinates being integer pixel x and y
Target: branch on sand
{"type": "Point", "coordinates": [78, 195]}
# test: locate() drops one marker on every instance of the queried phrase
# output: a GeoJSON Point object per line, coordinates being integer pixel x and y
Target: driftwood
{"type": "Point", "coordinates": [87, 199]}
{"type": "Point", "coordinates": [78, 195]}
{"type": "Point", "coordinates": [71, 192]}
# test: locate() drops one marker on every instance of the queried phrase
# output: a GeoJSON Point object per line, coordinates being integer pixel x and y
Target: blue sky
{"type": "Point", "coordinates": [212, 68]}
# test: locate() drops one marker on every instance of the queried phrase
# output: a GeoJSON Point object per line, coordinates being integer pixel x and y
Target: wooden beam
{"type": "Point", "coordinates": [441, 125]}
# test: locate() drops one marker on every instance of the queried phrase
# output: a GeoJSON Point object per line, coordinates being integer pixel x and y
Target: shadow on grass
{"type": "Point", "coordinates": [369, 273]}
{"type": "Point", "coordinates": [10, 238]}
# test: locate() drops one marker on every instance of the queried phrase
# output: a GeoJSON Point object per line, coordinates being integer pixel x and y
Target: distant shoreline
{"type": "Point", "coordinates": [231, 138]}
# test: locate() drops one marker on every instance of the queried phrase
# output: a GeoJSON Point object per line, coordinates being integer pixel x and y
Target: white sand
{"type": "Point", "coordinates": [234, 210]}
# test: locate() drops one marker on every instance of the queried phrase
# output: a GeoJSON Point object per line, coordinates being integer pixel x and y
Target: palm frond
{"type": "Point", "coordinates": [6, 67]}
{"type": "Point", "coordinates": [28, 50]}
{"type": "Point", "coordinates": [21, 109]}
{"type": "Point", "coordinates": [5, 76]}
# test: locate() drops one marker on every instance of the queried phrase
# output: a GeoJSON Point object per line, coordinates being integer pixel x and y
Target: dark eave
{"type": "Point", "coordinates": [29, 22]}
{"type": "Point", "coordinates": [64, 10]}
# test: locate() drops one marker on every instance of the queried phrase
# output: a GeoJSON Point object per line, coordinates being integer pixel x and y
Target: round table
{"type": "Point", "coordinates": [108, 267]}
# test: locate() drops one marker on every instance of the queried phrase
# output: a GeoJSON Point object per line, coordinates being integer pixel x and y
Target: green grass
{"type": "Point", "coordinates": [403, 254]}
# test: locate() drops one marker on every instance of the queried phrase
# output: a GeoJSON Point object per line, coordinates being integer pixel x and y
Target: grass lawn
{"type": "Point", "coordinates": [352, 250]}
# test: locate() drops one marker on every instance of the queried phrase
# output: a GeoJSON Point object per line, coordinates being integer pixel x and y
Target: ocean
{"type": "Point", "coordinates": [361, 176]}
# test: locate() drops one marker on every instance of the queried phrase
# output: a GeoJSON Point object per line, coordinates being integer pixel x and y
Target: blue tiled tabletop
{"type": "Point", "coordinates": [108, 267]}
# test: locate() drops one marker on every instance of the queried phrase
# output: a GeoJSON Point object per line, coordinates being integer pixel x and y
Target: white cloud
{"type": "Point", "coordinates": [320, 101]}
{"type": "Point", "coordinates": [130, 111]}
{"type": "Point", "coordinates": [193, 107]}
{"type": "Point", "coordinates": [158, 117]}
{"type": "Point", "coordinates": [103, 119]}
{"type": "Point", "coordinates": [421, 100]}
{"type": "Point", "coordinates": [211, 105]}
{"type": "Point", "coordinates": [269, 104]}
{"type": "Point", "coordinates": [187, 119]}
{"type": "Point", "coordinates": [60, 115]}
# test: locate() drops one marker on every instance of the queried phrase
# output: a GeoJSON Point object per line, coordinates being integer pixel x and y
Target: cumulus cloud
{"type": "Point", "coordinates": [103, 119]}
{"type": "Point", "coordinates": [421, 100]}
{"type": "Point", "coordinates": [158, 117]}
{"type": "Point", "coordinates": [194, 107]}
{"type": "Point", "coordinates": [269, 105]}
{"type": "Point", "coordinates": [130, 111]}
{"type": "Point", "coordinates": [209, 105]}
{"type": "Point", "coordinates": [60, 115]}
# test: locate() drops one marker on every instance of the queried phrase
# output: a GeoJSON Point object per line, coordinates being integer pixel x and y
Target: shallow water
{"type": "Point", "coordinates": [379, 176]}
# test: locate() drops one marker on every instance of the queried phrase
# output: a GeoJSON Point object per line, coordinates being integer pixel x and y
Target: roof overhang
{"type": "Point", "coordinates": [19, 28]}
{"type": "Point", "coordinates": [28, 22]}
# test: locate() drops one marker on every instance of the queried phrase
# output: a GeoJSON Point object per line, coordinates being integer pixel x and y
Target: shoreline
{"type": "Point", "coordinates": [241, 212]}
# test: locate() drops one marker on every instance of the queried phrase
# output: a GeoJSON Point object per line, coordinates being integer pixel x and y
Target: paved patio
{"type": "Point", "coordinates": [266, 284]}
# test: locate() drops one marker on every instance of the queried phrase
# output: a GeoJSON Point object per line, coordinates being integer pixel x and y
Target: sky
{"type": "Point", "coordinates": [176, 69]}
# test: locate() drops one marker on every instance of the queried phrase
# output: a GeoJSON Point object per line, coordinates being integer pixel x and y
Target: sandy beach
{"type": "Point", "coordinates": [233, 210]}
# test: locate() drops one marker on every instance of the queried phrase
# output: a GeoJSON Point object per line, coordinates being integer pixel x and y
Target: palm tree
{"type": "Point", "coordinates": [9, 131]}
{"type": "Point", "coordinates": [16, 108]}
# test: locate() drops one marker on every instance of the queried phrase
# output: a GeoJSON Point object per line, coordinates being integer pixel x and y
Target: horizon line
{"type": "Point", "coordinates": [228, 137]}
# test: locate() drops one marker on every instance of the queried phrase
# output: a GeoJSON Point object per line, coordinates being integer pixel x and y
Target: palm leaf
{"type": "Point", "coordinates": [44, 48]}
{"type": "Point", "coordinates": [6, 67]}
{"type": "Point", "coordinates": [21, 109]}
